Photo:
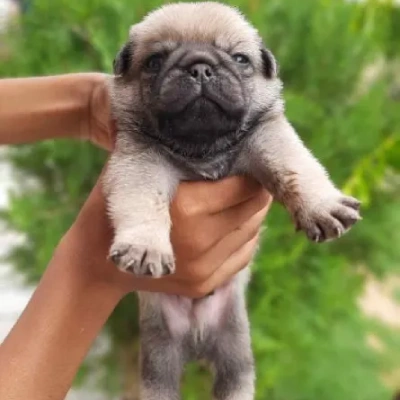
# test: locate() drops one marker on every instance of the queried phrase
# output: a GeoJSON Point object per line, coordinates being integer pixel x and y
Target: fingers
{"type": "Point", "coordinates": [200, 288]}
{"type": "Point", "coordinates": [196, 198]}
{"type": "Point", "coordinates": [202, 268]}
{"type": "Point", "coordinates": [211, 271]}
{"type": "Point", "coordinates": [209, 230]}
{"type": "Point", "coordinates": [101, 127]}
{"type": "Point", "coordinates": [233, 217]}
{"type": "Point", "coordinates": [104, 135]}
{"type": "Point", "coordinates": [235, 263]}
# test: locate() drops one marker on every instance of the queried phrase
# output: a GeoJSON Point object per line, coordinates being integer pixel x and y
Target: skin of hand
{"type": "Point", "coordinates": [214, 235]}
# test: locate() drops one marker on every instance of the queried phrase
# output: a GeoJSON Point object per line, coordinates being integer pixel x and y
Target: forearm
{"type": "Point", "coordinates": [34, 109]}
{"type": "Point", "coordinates": [42, 354]}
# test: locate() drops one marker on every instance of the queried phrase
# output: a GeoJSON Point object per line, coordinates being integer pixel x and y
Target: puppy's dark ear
{"type": "Point", "coordinates": [123, 60]}
{"type": "Point", "coordinates": [270, 65]}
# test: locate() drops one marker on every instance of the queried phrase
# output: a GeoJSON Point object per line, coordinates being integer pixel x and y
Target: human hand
{"type": "Point", "coordinates": [214, 235]}
{"type": "Point", "coordinates": [99, 128]}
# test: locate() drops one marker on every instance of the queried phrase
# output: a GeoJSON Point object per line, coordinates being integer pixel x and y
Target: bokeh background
{"type": "Point", "coordinates": [325, 318]}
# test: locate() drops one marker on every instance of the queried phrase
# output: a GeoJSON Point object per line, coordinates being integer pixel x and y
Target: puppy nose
{"type": "Point", "coordinates": [201, 72]}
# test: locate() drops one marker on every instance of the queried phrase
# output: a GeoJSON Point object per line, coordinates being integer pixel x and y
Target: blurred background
{"type": "Point", "coordinates": [325, 319]}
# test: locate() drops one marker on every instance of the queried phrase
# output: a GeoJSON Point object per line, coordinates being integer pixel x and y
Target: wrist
{"type": "Point", "coordinates": [88, 84]}
{"type": "Point", "coordinates": [84, 274]}
{"type": "Point", "coordinates": [47, 107]}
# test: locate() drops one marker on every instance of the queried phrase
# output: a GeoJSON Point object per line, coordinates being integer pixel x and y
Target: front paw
{"type": "Point", "coordinates": [328, 219]}
{"type": "Point", "coordinates": [142, 260]}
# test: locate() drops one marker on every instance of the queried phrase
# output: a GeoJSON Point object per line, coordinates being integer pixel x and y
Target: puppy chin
{"type": "Point", "coordinates": [201, 120]}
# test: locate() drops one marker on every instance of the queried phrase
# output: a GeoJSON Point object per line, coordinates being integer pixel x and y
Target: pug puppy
{"type": "Point", "coordinates": [196, 95]}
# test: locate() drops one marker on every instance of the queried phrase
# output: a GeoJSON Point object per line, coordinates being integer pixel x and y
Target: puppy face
{"type": "Point", "coordinates": [198, 72]}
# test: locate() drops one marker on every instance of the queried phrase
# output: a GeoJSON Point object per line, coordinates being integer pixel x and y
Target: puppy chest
{"type": "Point", "coordinates": [208, 169]}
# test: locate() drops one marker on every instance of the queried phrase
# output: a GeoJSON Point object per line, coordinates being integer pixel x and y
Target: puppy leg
{"type": "Point", "coordinates": [161, 367]}
{"type": "Point", "coordinates": [232, 357]}
{"type": "Point", "coordinates": [139, 185]}
{"type": "Point", "coordinates": [280, 161]}
{"type": "Point", "coordinates": [235, 375]}
{"type": "Point", "coordinates": [161, 357]}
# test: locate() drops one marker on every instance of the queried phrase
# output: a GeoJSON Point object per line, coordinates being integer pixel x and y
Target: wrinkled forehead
{"type": "Point", "coordinates": [202, 23]}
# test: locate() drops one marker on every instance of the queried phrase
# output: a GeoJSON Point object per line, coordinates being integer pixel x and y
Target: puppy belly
{"type": "Point", "coordinates": [184, 315]}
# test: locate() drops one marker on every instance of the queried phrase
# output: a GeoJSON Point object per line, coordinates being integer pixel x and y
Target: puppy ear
{"type": "Point", "coordinates": [270, 65]}
{"type": "Point", "coordinates": [123, 60]}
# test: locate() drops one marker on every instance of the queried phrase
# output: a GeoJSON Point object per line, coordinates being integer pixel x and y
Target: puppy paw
{"type": "Point", "coordinates": [328, 219]}
{"type": "Point", "coordinates": [142, 260]}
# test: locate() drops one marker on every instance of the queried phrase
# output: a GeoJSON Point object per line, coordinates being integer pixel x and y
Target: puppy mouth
{"type": "Point", "coordinates": [203, 119]}
{"type": "Point", "coordinates": [232, 109]}
{"type": "Point", "coordinates": [178, 92]}
{"type": "Point", "coordinates": [202, 104]}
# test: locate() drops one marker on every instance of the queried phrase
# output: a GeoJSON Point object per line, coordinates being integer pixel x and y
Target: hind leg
{"type": "Point", "coordinates": [234, 369]}
{"type": "Point", "coordinates": [232, 357]}
{"type": "Point", "coordinates": [161, 365]}
{"type": "Point", "coordinates": [161, 360]}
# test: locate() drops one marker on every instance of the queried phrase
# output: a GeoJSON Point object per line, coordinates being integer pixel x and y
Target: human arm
{"type": "Point", "coordinates": [54, 107]}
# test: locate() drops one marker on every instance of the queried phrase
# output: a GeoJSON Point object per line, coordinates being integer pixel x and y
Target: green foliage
{"type": "Point", "coordinates": [309, 336]}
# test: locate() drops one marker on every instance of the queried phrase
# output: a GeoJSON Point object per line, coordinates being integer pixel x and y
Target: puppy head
{"type": "Point", "coordinates": [197, 72]}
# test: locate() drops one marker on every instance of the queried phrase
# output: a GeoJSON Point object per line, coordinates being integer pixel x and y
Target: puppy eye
{"type": "Point", "coordinates": [241, 58]}
{"type": "Point", "coordinates": [154, 62]}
